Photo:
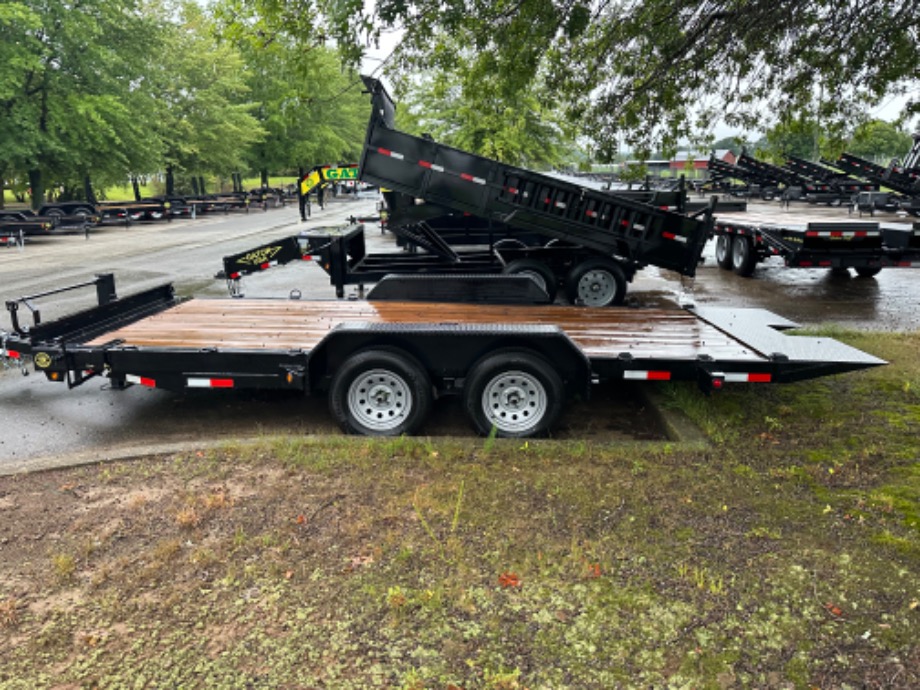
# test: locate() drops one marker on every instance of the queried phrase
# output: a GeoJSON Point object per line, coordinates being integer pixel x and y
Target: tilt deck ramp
{"type": "Point", "coordinates": [636, 233]}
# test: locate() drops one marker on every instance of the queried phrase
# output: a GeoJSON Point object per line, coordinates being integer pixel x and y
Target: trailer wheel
{"type": "Point", "coordinates": [516, 392]}
{"type": "Point", "coordinates": [724, 251]}
{"type": "Point", "coordinates": [538, 271]}
{"type": "Point", "coordinates": [868, 271]}
{"type": "Point", "coordinates": [380, 393]}
{"type": "Point", "coordinates": [596, 283]}
{"type": "Point", "coordinates": [743, 257]}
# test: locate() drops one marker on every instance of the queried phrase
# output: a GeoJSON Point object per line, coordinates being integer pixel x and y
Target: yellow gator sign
{"type": "Point", "coordinates": [322, 175]}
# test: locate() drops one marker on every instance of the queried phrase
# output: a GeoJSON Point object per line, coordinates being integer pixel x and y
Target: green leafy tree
{"type": "Point", "coordinates": [802, 138]}
{"type": "Point", "coordinates": [648, 72]}
{"type": "Point", "coordinates": [312, 110]}
{"type": "Point", "coordinates": [879, 141]}
{"type": "Point", "coordinates": [204, 116]}
{"type": "Point", "coordinates": [467, 107]}
{"type": "Point", "coordinates": [71, 93]}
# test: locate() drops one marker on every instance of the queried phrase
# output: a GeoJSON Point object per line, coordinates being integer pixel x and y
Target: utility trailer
{"type": "Point", "coordinates": [383, 361]}
{"type": "Point", "coordinates": [867, 247]}
{"type": "Point", "coordinates": [602, 238]}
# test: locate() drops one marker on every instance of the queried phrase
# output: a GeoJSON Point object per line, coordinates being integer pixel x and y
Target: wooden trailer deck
{"type": "Point", "coordinates": [283, 325]}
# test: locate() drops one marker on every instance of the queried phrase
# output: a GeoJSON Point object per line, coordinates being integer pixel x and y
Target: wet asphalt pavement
{"type": "Point", "coordinates": [46, 423]}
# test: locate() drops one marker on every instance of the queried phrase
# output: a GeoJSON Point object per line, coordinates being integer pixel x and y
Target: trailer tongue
{"type": "Point", "coordinates": [381, 361]}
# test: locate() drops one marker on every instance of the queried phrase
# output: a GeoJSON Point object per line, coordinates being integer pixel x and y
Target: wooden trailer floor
{"type": "Point", "coordinates": [254, 324]}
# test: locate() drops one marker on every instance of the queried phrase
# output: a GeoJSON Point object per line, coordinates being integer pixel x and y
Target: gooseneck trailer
{"type": "Point", "coordinates": [383, 361]}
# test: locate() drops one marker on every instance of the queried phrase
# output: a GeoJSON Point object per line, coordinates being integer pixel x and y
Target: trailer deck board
{"type": "Point", "coordinates": [265, 324]}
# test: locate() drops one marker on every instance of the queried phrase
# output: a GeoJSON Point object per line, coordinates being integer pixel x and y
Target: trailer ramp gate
{"type": "Point", "coordinates": [636, 232]}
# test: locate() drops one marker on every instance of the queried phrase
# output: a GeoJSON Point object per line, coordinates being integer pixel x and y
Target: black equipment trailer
{"type": "Point", "coordinates": [592, 241]}
{"type": "Point", "coordinates": [382, 361]}
{"type": "Point", "coordinates": [867, 247]}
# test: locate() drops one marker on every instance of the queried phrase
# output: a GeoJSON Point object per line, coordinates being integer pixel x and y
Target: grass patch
{"type": "Point", "coordinates": [785, 555]}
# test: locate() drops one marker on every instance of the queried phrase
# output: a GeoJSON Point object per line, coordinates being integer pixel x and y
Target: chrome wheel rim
{"type": "Point", "coordinates": [514, 401]}
{"type": "Point", "coordinates": [597, 288]}
{"type": "Point", "coordinates": [379, 400]}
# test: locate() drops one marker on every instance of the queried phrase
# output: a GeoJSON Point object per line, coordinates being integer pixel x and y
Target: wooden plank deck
{"type": "Point", "coordinates": [259, 324]}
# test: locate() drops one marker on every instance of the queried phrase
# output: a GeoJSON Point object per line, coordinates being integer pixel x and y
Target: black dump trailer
{"type": "Point", "coordinates": [593, 241]}
{"type": "Point", "coordinates": [382, 361]}
{"type": "Point", "coordinates": [867, 247]}
{"type": "Point", "coordinates": [562, 234]}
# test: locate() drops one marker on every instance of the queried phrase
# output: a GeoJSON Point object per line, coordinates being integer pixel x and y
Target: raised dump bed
{"type": "Point", "coordinates": [603, 238]}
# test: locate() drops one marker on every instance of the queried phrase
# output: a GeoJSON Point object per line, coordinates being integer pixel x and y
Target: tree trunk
{"type": "Point", "coordinates": [201, 185]}
{"type": "Point", "coordinates": [170, 182]}
{"type": "Point", "coordinates": [36, 185]}
{"type": "Point", "coordinates": [88, 190]}
{"type": "Point", "coordinates": [264, 179]}
{"type": "Point", "coordinates": [137, 189]}
{"type": "Point", "coordinates": [195, 191]}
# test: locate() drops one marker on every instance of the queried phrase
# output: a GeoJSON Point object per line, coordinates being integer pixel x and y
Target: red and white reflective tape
{"type": "Point", "coordinates": [391, 154]}
{"type": "Point", "coordinates": [267, 265]}
{"type": "Point", "coordinates": [672, 236]}
{"type": "Point", "coordinates": [471, 178]}
{"type": "Point", "coordinates": [141, 380]}
{"type": "Point", "coordinates": [431, 166]}
{"type": "Point", "coordinates": [12, 354]}
{"type": "Point", "coordinates": [310, 257]}
{"type": "Point", "coordinates": [591, 214]}
{"type": "Point", "coordinates": [209, 383]}
{"type": "Point", "coordinates": [843, 234]}
{"type": "Point", "coordinates": [637, 375]}
{"type": "Point", "coordinates": [748, 378]}
{"type": "Point", "coordinates": [908, 264]}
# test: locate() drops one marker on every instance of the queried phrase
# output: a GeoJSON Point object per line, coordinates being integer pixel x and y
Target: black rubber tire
{"type": "Point", "coordinates": [539, 271]}
{"type": "Point", "coordinates": [596, 283]}
{"type": "Point", "coordinates": [724, 252]}
{"type": "Point", "coordinates": [743, 257]}
{"type": "Point", "coordinates": [398, 375]}
{"type": "Point", "coordinates": [527, 394]}
{"type": "Point", "coordinates": [868, 271]}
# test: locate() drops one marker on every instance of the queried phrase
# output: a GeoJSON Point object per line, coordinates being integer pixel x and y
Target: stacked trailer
{"type": "Point", "coordinates": [902, 178]}
{"type": "Point", "coordinates": [831, 186]}
{"type": "Point", "coordinates": [867, 247]}
{"type": "Point", "coordinates": [381, 362]}
{"type": "Point", "coordinates": [721, 174]}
